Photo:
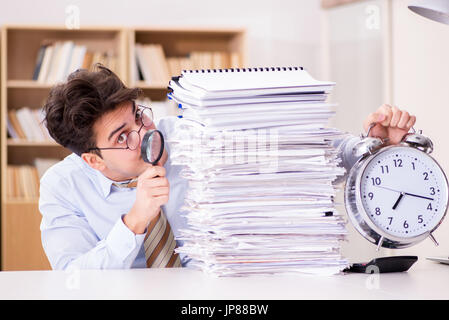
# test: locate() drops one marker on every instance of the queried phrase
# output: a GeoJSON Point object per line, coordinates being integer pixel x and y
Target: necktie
{"type": "Point", "coordinates": [159, 241]}
{"type": "Point", "coordinates": [160, 244]}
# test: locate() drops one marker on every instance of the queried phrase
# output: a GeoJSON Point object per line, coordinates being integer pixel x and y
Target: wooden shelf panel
{"type": "Point", "coordinates": [25, 155]}
{"type": "Point", "coordinates": [21, 237]}
{"type": "Point", "coordinates": [22, 201]}
{"type": "Point", "coordinates": [27, 143]}
{"type": "Point", "coordinates": [28, 84]}
{"type": "Point", "coordinates": [33, 96]}
{"type": "Point", "coordinates": [327, 4]}
{"type": "Point", "coordinates": [144, 86]}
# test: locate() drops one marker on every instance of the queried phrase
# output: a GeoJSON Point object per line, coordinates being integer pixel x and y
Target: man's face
{"type": "Point", "coordinates": [110, 130]}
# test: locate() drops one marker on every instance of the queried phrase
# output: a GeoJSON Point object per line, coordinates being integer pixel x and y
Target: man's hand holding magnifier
{"type": "Point", "coordinates": [152, 192]}
{"type": "Point", "coordinates": [152, 185]}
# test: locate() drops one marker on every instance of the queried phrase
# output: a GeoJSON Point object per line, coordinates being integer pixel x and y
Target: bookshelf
{"type": "Point", "coordinates": [21, 247]}
{"type": "Point", "coordinates": [184, 43]}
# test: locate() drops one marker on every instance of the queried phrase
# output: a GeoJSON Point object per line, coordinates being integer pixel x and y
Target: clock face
{"type": "Point", "coordinates": [404, 192]}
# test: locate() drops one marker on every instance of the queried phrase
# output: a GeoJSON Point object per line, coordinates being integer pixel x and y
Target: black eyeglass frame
{"type": "Point", "coordinates": [138, 132]}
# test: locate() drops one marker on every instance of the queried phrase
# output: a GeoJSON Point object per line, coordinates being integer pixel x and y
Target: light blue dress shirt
{"type": "Point", "coordinates": [82, 214]}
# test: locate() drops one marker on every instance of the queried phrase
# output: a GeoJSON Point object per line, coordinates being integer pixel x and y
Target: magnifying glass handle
{"type": "Point", "coordinates": [133, 182]}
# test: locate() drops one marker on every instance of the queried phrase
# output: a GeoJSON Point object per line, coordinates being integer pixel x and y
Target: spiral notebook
{"type": "Point", "coordinates": [248, 82]}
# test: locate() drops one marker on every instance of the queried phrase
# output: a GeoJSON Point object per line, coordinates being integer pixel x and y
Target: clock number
{"type": "Point", "coordinates": [384, 169]}
{"type": "Point", "coordinates": [398, 163]}
{"type": "Point", "coordinates": [420, 219]}
{"type": "Point", "coordinates": [429, 207]}
{"type": "Point", "coordinates": [391, 220]}
{"type": "Point", "coordinates": [413, 165]}
{"type": "Point", "coordinates": [371, 195]}
{"type": "Point", "coordinates": [405, 224]}
{"type": "Point", "coordinates": [432, 191]}
{"type": "Point", "coordinates": [377, 211]}
{"type": "Point", "coordinates": [426, 175]}
{"type": "Point", "coordinates": [376, 181]}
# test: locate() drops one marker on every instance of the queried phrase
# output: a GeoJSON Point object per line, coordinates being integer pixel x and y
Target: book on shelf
{"type": "Point", "coordinates": [22, 181]}
{"type": "Point", "coordinates": [56, 60]}
{"type": "Point", "coordinates": [152, 66]}
{"type": "Point", "coordinates": [39, 60]}
{"type": "Point", "coordinates": [27, 124]}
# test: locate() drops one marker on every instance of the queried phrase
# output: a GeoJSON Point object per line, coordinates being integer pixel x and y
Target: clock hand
{"type": "Point", "coordinates": [388, 189]}
{"type": "Point", "coordinates": [418, 196]}
{"type": "Point", "coordinates": [397, 201]}
{"type": "Point", "coordinates": [406, 193]}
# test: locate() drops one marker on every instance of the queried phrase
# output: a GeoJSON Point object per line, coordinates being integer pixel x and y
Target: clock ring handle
{"type": "Point", "coordinates": [369, 130]}
{"type": "Point", "coordinates": [385, 140]}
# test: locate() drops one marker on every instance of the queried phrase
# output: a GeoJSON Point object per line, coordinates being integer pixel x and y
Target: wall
{"type": "Point", "coordinates": [280, 33]}
{"type": "Point", "coordinates": [404, 65]}
{"type": "Point", "coordinates": [421, 85]}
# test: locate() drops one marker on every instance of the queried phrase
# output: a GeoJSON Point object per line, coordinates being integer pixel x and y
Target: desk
{"type": "Point", "coordinates": [425, 280]}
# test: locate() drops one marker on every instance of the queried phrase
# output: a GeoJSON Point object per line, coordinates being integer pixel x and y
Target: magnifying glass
{"type": "Point", "coordinates": [152, 146]}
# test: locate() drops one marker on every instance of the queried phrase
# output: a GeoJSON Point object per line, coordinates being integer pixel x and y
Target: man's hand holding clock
{"type": "Point", "coordinates": [390, 123]}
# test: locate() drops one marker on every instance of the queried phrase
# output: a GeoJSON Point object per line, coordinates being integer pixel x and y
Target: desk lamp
{"type": "Point", "coordinates": [436, 10]}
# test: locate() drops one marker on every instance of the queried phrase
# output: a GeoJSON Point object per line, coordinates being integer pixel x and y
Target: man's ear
{"type": "Point", "coordinates": [94, 161]}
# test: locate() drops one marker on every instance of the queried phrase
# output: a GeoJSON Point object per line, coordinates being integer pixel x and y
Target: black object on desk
{"type": "Point", "coordinates": [384, 265]}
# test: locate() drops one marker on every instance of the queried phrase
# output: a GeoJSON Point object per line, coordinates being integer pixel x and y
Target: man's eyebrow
{"type": "Point", "coordinates": [123, 125]}
{"type": "Point", "coordinates": [115, 131]}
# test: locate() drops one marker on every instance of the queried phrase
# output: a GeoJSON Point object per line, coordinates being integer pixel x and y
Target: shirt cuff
{"type": "Point", "coordinates": [122, 242]}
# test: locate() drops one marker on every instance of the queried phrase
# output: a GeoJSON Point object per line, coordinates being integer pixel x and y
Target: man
{"type": "Point", "coordinates": [89, 219]}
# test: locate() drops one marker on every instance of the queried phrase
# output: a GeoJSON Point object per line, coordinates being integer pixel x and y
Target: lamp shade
{"type": "Point", "coordinates": [437, 10]}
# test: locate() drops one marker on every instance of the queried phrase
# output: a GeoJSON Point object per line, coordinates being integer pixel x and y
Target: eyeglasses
{"type": "Point", "coordinates": [132, 139]}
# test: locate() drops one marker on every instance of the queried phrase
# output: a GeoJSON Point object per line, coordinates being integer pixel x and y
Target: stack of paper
{"type": "Point", "coordinates": [257, 153]}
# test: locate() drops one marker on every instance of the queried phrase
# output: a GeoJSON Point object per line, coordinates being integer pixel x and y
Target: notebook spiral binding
{"type": "Point", "coordinates": [265, 69]}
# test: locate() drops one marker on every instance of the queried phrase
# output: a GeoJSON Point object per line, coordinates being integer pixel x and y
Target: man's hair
{"type": "Point", "coordinates": [73, 107]}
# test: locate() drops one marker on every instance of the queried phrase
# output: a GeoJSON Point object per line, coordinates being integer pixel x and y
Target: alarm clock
{"type": "Point", "coordinates": [396, 196]}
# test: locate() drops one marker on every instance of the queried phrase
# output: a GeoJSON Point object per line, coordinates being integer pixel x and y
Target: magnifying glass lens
{"type": "Point", "coordinates": [152, 146]}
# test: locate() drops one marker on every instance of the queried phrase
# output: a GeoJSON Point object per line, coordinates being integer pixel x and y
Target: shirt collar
{"type": "Point", "coordinates": [104, 182]}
